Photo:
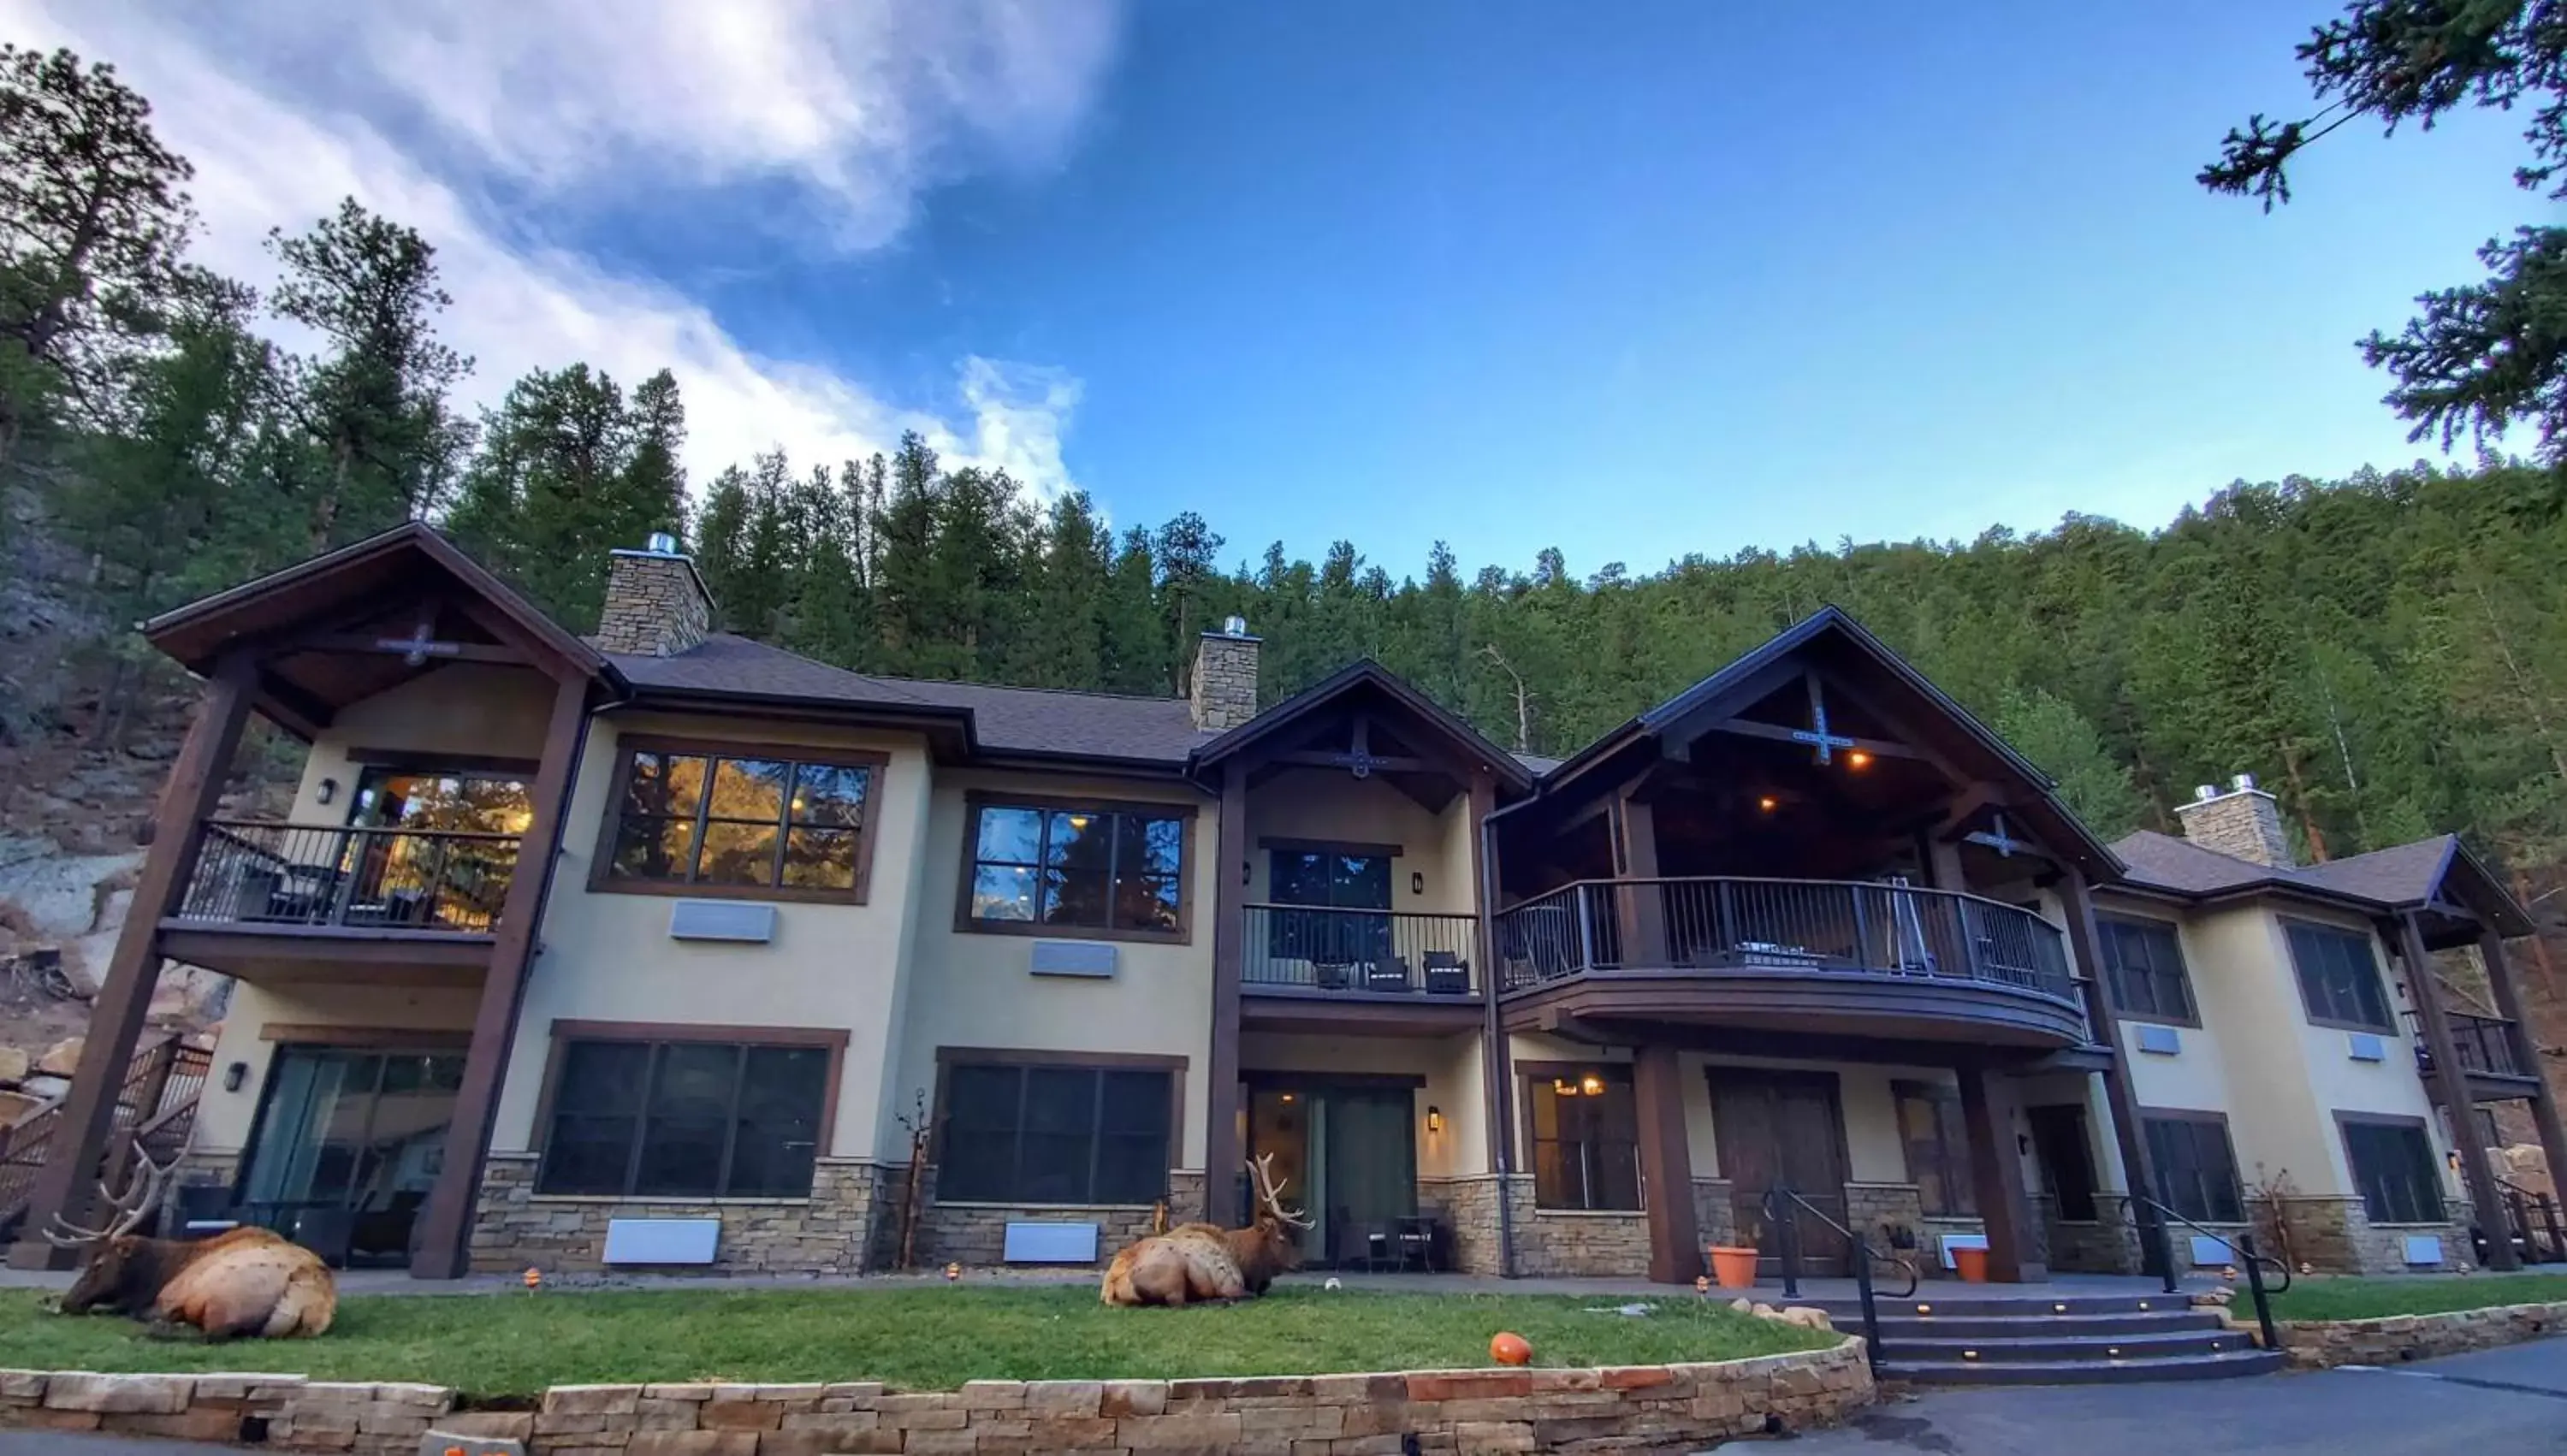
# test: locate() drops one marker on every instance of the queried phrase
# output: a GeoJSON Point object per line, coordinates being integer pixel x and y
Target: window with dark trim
{"type": "Point", "coordinates": [1055, 1134]}
{"type": "Point", "coordinates": [740, 822]}
{"type": "Point", "coordinates": [2339, 977]}
{"type": "Point", "coordinates": [2196, 1168]}
{"type": "Point", "coordinates": [2393, 1165]}
{"type": "Point", "coordinates": [1119, 870]}
{"type": "Point", "coordinates": [1586, 1141]}
{"type": "Point", "coordinates": [1938, 1150]}
{"type": "Point", "coordinates": [2143, 969]}
{"type": "Point", "coordinates": [1324, 886]}
{"type": "Point", "coordinates": [685, 1119]}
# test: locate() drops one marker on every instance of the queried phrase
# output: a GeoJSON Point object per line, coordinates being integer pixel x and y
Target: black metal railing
{"type": "Point", "coordinates": [2240, 1242]}
{"type": "Point", "coordinates": [1783, 1210]}
{"type": "Point", "coordinates": [252, 873]}
{"type": "Point", "coordinates": [2534, 1223]}
{"type": "Point", "coordinates": [1792, 925]}
{"type": "Point", "coordinates": [1324, 949]}
{"type": "Point", "coordinates": [2483, 1044]}
{"type": "Point", "coordinates": [155, 1106]}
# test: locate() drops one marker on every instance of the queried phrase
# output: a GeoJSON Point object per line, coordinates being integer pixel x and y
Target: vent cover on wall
{"type": "Point", "coordinates": [722, 920]}
{"type": "Point", "coordinates": [1073, 957]}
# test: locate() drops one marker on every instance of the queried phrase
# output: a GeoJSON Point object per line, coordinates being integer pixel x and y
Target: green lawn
{"type": "Point", "coordinates": [926, 1338]}
{"type": "Point", "coordinates": [2369, 1298]}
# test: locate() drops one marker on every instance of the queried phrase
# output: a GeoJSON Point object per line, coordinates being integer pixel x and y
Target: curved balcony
{"type": "Point", "coordinates": [1799, 956]}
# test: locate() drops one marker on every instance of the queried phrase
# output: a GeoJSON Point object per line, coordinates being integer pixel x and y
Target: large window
{"type": "Point", "coordinates": [346, 1127]}
{"type": "Point", "coordinates": [1938, 1151]}
{"type": "Point", "coordinates": [1054, 1134]}
{"type": "Point", "coordinates": [2339, 979]}
{"type": "Point", "coordinates": [685, 1118]}
{"type": "Point", "coordinates": [1116, 871]}
{"type": "Point", "coordinates": [2143, 969]}
{"type": "Point", "coordinates": [2197, 1169]}
{"type": "Point", "coordinates": [1586, 1141]}
{"type": "Point", "coordinates": [740, 821]}
{"type": "Point", "coordinates": [2393, 1165]}
{"type": "Point", "coordinates": [1326, 884]}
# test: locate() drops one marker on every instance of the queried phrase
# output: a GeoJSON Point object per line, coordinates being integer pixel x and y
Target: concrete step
{"type": "Point", "coordinates": [2008, 1307]}
{"type": "Point", "coordinates": [2035, 1347]}
{"type": "Point", "coordinates": [1977, 1326]}
{"type": "Point", "coordinates": [2227, 1364]}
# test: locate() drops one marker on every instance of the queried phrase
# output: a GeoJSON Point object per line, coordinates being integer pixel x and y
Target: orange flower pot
{"type": "Point", "coordinates": [1972, 1265]}
{"type": "Point", "coordinates": [1734, 1268]}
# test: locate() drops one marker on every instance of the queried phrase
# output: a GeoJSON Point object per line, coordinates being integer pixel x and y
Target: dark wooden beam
{"type": "Point", "coordinates": [2103, 1026]}
{"type": "Point", "coordinates": [1640, 909]}
{"type": "Point", "coordinates": [446, 652]}
{"type": "Point", "coordinates": [66, 1184]}
{"type": "Point", "coordinates": [1495, 1087]}
{"type": "Point", "coordinates": [1344, 762]}
{"type": "Point", "coordinates": [2452, 1088]}
{"type": "Point", "coordinates": [300, 712]}
{"type": "Point", "coordinates": [1996, 1172]}
{"type": "Point", "coordinates": [1222, 1153]}
{"type": "Point", "coordinates": [444, 1245]}
{"type": "Point", "coordinates": [2526, 1054]}
{"type": "Point", "coordinates": [1877, 748]}
{"type": "Point", "coordinates": [1853, 693]}
{"type": "Point", "coordinates": [1666, 1165]}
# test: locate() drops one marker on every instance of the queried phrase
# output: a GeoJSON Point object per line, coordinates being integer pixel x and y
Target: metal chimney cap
{"type": "Point", "coordinates": [661, 544]}
{"type": "Point", "coordinates": [2206, 792]}
{"type": "Point", "coordinates": [1234, 625]}
{"type": "Point", "coordinates": [2243, 783]}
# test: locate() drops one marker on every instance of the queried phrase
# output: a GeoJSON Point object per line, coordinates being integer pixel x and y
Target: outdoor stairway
{"type": "Point", "coordinates": [2067, 1339]}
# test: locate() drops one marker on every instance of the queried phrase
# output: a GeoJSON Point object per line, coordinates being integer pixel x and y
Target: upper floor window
{"type": "Point", "coordinates": [2143, 969]}
{"type": "Point", "coordinates": [706, 819]}
{"type": "Point", "coordinates": [685, 1118]}
{"type": "Point", "coordinates": [1116, 871]}
{"type": "Point", "coordinates": [1586, 1141]}
{"type": "Point", "coordinates": [2338, 977]}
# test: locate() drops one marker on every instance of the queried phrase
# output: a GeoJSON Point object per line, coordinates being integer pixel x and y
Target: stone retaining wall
{"type": "Point", "coordinates": [513, 1227]}
{"type": "Point", "coordinates": [2314, 1344]}
{"type": "Point", "coordinates": [1491, 1410]}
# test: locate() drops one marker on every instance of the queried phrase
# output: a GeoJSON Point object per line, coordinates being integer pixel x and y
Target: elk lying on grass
{"type": "Point", "coordinates": [1194, 1262]}
{"type": "Point", "coordinates": [248, 1282]}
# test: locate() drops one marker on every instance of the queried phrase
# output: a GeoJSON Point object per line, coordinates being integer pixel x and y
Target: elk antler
{"type": "Point", "coordinates": [1270, 1193]}
{"type": "Point", "coordinates": [140, 1196]}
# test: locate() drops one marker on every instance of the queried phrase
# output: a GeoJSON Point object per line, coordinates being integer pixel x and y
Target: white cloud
{"type": "Point", "coordinates": [568, 98]}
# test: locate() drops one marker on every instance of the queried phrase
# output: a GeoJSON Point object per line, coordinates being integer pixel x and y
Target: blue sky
{"type": "Point", "coordinates": [1634, 280]}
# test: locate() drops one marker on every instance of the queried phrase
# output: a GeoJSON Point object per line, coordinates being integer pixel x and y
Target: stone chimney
{"type": "Point", "coordinates": [656, 604]}
{"type": "Point", "coordinates": [1225, 687]}
{"type": "Point", "coordinates": [2242, 820]}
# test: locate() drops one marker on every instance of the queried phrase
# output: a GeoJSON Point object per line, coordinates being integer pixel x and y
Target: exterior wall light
{"type": "Point", "coordinates": [1417, 882]}
{"type": "Point", "coordinates": [235, 1075]}
{"type": "Point", "coordinates": [1434, 1119]}
{"type": "Point", "coordinates": [329, 791]}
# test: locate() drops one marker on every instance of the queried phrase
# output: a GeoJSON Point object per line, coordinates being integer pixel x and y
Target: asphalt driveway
{"type": "Point", "coordinates": [2511, 1401]}
{"type": "Point", "coordinates": [2501, 1403]}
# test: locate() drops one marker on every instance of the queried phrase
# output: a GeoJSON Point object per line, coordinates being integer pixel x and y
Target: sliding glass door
{"type": "Point", "coordinates": [350, 1129]}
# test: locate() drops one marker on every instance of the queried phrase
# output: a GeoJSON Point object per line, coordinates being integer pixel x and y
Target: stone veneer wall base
{"type": "Point", "coordinates": [1623, 1408]}
{"type": "Point", "coordinates": [2315, 1344]}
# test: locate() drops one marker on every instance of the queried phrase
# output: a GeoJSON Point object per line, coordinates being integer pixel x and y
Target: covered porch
{"type": "Point", "coordinates": [381, 925]}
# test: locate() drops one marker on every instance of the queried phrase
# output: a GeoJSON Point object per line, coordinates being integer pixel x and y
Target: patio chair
{"type": "Point", "coordinates": [1331, 974]}
{"type": "Point", "coordinates": [1447, 974]}
{"type": "Point", "coordinates": [1390, 973]}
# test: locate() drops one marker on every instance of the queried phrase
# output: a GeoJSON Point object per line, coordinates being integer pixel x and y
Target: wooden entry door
{"type": "Point", "coordinates": [2067, 1170]}
{"type": "Point", "coordinates": [1784, 1129]}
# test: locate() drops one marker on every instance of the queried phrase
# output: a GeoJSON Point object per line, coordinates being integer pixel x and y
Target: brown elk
{"type": "Point", "coordinates": [1194, 1262]}
{"type": "Point", "coordinates": [248, 1282]}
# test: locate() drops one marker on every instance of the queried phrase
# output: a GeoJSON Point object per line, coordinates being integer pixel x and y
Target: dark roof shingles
{"type": "Point", "coordinates": [2404, 874]}
{"type": "Point", "coordinates": [1005, 720]}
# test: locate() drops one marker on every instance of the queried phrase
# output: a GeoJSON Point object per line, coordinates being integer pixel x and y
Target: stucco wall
{"type": "Point", "coordinates": [2390, 1086]}
{"type": "Point", "coordinates": [1450, 1064]}
{"type": "Point", "coordinates": [974, 990]}
{"type": "Point", "coordinates": [224, 1118]}
{"type": "Point", "coordinates": [464, 707]}
{"type": "Point", "coordinates": [1333, 805]}
{"type": "Point", "coordinates": [608, 956]}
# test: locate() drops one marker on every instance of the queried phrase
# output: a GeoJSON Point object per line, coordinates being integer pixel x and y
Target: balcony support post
{"type": "Point", "coordinates": [2527, 1056]}
{"type": "Point", "coordinates": [1222, 1153]}
{"type": "Point", "coordinates": [2103, 1027]}
{"type": "Point", "coordinates": [1996, 1171]}
{"type": "Point", "coordinates": [2454, 1082]}
{"type": "Point", "coordinates": [1666, 1165]}
{"type": "Point", "coordinates": [1497, 1064]}
{"type": "Point", "coordinates": [1640, 909]}
{"type": "Point", "coordinates": [66, 1185]}
{"type": "Point", "coordinates": [444, 1244]}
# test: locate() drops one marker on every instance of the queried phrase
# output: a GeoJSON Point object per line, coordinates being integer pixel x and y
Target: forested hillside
{"type": "Point", "coordinates": [2389, 652]}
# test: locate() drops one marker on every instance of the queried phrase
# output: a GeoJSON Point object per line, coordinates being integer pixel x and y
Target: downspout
{"type": "Point", "coordinates": [1493, 1046]}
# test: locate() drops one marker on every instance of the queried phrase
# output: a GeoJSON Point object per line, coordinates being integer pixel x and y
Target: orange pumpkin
{"type": "Point", "coordinates": [1511, 1348]}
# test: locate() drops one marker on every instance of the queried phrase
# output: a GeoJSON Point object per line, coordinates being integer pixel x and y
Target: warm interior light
{"type": "Point", "coordinates": [1078, 821]}
{"type": "Point", "coordinates": [1560, 1087]}
{"type": "Point", "coordinates": [1434, 1119]}
{"type": "Point", "coordinates": [1857, 759]}
{"type": "Point", "coordinates": [1288, 1098]}
{"type": "Point", "coordinates": [1768, 803]}
{"type": "Point", "coordinates": [1591, 1084]}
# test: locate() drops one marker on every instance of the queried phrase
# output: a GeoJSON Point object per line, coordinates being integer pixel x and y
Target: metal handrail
{"type": "Point", "coordinates": [1327, 949]}
{"type": "Point", "coordinates": [1824, 927]}
{"type": "Point", "coordinates": [1787, 1231]}
{"type": "Point", "coordinates": [276, 872]}
{"type": "Point", "coordinates": [2242, 1241]}
{"type": "Point", "coordinates": [2522, 1200]}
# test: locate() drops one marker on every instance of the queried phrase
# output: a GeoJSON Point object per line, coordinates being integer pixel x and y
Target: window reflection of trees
{"type": "Point", "coordinates": [1091, 868]}
{"type": "Point", "coordinates": [706, 819]}
{"type": "Point", "coordinates": [421, 874]}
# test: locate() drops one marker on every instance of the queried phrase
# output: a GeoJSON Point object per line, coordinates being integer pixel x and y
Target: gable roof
{"type": "Point", "coordinates": [1460, 739]}
{"type": "Point", "coordinates": [2399, 878]}
{"type": "Point", "coordinates": [2057, 824]}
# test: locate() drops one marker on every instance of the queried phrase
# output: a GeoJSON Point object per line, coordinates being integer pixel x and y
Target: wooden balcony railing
{"type": "Point", "coordinates": [2484, 1045]}
{"type": "Point", "coordinates": [1316, 949]}
{"type": "Point", "coordinates": [1815, 926]}
{"type": "Point", "coordinates": [271, 874]}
